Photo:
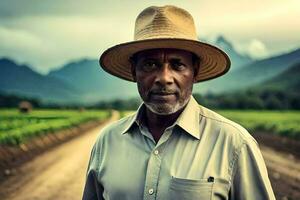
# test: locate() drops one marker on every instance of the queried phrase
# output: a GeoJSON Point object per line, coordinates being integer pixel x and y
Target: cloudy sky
{"type": "Point", "coordinates": [49, 33]}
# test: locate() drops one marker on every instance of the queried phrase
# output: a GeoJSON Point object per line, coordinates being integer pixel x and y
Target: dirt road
{"type": "Point", "coordinates": [284, 172]}
{"type": "Point", "coordinates": [56, 174]}
{"type": "Point", "coordinates": [60, 172]}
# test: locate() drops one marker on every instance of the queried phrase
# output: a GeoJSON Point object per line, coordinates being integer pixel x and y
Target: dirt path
{"type": "Point", "coordinates": [60, 173]}
{"type": "Point", "coordinates": [56, 174]}
{"type": "Point", "coordinates": [284, 172]}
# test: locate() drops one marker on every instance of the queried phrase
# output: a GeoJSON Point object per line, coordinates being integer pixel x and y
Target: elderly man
{"type": "Point", "coordinates": [172, 148]}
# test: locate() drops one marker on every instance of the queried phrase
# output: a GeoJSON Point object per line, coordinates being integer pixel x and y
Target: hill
{"type": "Point", "coordinates": [251, 74]}
{"type": "Point", "coordinates": [287, 81]}
{"type": "Point", "coordinates": [83, 81]}
{"type": "Point", "coordinates": [22, 80]}
{"type": "Point", "coordinates": [93, 82]}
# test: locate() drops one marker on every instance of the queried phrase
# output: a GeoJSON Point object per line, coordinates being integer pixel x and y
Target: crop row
{"type": "Point", "coordinates": [16, 128]}
{"type": "Point", "coordinates": [283, 123]}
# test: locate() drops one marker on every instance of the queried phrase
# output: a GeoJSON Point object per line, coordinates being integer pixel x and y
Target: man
{"type": "Point", "coordinates": [172, 148]}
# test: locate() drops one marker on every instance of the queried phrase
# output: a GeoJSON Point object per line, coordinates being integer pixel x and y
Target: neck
{"type": "Point", "coordinates": [162, 121]}
{"type": "Point", "coordinates": [158, 123]}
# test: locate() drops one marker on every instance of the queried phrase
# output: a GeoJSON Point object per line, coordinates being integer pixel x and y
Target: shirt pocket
{"type": "Point", "coordinates": [201, 189]}
{"type": "Point", "coordinates": [220, 189]}
{"type": "Point", "coordinates": [189, 189]}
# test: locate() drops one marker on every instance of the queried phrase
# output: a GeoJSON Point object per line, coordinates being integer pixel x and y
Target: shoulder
{"type": "Point", "coordinates": [108, 137]}
{"type": "Point", "coordinates": [226, 127]}
{"type": "Point", "coordinates": [233, 139]}
{"type": "Point", "coordinates": [115, 128]}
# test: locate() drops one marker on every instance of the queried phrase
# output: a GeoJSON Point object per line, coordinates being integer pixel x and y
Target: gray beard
{"type": "Point", "coordinates": [166, 109]}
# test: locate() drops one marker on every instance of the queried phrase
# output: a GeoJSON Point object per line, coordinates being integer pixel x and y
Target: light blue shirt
{"type": "Point", "coordinates": [201, 156]}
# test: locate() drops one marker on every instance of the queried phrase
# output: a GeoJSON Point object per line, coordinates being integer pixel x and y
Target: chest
{"type": "Point", "coordinates": [180, 168]}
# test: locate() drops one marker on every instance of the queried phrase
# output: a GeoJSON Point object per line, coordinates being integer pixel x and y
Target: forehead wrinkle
{"type": "Point", "coordinates": [162, 55]}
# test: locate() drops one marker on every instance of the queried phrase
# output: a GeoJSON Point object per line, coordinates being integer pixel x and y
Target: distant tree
{"type": "Point", "coordinates": [226, 102]}
{"type": "Point", "coordinates": [201, 99]}
{"type": "Point", "coordinates": [294, 101]}
{"type": "Point", "coordinates": [273, 103]}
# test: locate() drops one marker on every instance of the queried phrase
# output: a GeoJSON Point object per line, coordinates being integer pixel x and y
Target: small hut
{"type": "Point", "coordinates": [25, 107]}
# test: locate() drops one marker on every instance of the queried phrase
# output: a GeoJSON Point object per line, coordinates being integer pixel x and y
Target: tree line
{"type": "Point", "coordinates": [249, 99]}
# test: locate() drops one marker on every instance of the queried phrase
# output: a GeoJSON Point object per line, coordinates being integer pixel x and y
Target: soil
{"type": "Point", "coordinates": [284, 173]}
{"type": "Point", "coordinates": [280, 143]}
{"type": "Point", "coordinates": [59, 173]}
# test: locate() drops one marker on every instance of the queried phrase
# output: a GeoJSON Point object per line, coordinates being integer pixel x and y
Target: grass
{"type": "Point", "coordinates": [16, 127]}
{"type": "Point", "coordinates": [283, 123]}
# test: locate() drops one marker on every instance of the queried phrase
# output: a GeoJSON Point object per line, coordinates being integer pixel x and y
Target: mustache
{"type": "Point", "coordinates": [163, 91]}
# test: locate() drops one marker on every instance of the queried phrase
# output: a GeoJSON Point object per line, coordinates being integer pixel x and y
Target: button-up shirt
{"type": "Point", "coordinates": [201, 156]}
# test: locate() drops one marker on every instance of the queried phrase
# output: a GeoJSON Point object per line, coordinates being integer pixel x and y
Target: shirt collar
{"type": "Point", "coordinates": [188, 120]}
{"type": "Point", "coordinates": [133, 119]}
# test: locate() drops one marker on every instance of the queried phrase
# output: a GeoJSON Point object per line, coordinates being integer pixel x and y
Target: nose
{"type": "Point", "coordinates": [164, 76]}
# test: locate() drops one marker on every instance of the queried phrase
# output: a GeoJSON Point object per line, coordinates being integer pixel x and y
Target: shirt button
{"type": "Point", "coordinates": [151, 191]}
{"type": "Point", "coordinates": [156, 152]}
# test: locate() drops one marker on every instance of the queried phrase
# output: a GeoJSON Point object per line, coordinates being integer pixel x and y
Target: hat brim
{"type": "Point", "coordinates": [213, 61]}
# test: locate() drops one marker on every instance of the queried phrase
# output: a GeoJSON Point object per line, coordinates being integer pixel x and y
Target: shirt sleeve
{"type": "Point", "coordinates": [92, 189]}
{"type": "Point", "coordinates": [250, 180]}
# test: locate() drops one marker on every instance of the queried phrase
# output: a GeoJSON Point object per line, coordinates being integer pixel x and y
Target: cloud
{"type": "Point", "coordinates": [50, 41]}
{"type": "Point", "coordinates": [17, 38]}
{"type": "Point", "coordinates": [49, 33]}
{"type": "Point", "coordinates": [21, 45]}
{"type": "Point", "coordinates": [257, 49]}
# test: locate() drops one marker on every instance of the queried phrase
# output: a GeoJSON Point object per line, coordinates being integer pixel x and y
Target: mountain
{"type": "Point", "coordinates": [238, 60]}
{"type": "Point", "coordinates": [287, 81]}
{"type": "Point", "coordinates": [93, 82]}
{"type": "Point", "coordinates": [22, 80]}
{"type": "Point", "coordinates": [85, 81]}
{"type": "Point", "coordinates": [251, 74]}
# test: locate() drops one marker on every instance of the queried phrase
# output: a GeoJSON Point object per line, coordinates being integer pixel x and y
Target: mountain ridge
{"type": "Point", "coordinates": [251, 74]}
{"type": "Point", "coordinates": [85, 81]}
{"type": "Point", "coordinates": [22, 80]}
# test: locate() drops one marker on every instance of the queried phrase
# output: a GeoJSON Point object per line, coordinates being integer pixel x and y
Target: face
{"type": "Point", "coordinates": [164, 78]}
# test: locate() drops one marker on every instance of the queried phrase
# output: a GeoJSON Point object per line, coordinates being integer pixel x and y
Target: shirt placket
{"type": "Point", "coordinates": [154, 167]}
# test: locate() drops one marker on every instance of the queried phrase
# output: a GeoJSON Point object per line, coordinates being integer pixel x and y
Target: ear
{"type": "Point", "coordinates": [196, 69]}
{"type": "Point", "coordinates": [132, 65]}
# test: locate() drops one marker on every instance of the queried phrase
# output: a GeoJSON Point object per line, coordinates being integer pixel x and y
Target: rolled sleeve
{"type": "Point", "coordinates": [251, 179]}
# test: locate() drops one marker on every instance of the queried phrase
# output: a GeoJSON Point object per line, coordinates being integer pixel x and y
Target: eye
{"type": "Point", "coordinates": [149, 66]}
{"type": "Point", "coordinates": [177, 65]}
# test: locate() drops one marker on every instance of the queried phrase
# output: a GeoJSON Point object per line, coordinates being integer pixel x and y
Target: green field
{"type": "Point", "coordinates": [16, 127]}
{"type": "Point", "coordinates": [284, 123]}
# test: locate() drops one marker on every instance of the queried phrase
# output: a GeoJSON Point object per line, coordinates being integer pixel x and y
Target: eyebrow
{"type": "Point", "coordinates": [149, 59]}
{"type": "Point", "coordinates": [175, 59]}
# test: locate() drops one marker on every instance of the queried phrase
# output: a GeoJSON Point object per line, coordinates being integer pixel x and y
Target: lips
{"type": "Point", "coordinates": [163, 96]}
{"type": "Point", "coordinates": [163, 93]}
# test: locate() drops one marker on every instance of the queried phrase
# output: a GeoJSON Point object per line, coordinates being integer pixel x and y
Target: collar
{"type": "Point", "coordinates": [133, 119]}
{"type": "Point", "coordinates": [188, 120]}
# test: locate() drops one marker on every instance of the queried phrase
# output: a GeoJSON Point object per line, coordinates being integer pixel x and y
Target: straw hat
{"type": "Point", "coordinates": [165, 27]}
